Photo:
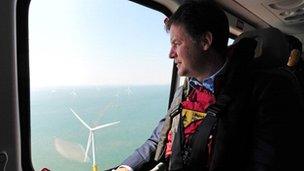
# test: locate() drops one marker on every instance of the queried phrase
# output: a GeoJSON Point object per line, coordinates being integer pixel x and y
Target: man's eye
{"type": "Point", "coordinates": [176, 44]}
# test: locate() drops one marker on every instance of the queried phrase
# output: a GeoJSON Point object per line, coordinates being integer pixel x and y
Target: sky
{"type": "Point", "coordinates": [97, 42]}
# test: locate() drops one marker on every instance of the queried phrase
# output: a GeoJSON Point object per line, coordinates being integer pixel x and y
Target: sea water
{"type": "Point", "coordinates": [59, 140]}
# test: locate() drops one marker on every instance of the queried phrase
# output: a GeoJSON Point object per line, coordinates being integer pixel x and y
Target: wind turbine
{"type": "Point", "coordinates": [91, 138]}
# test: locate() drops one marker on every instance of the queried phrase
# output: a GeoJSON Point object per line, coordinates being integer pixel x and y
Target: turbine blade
{"type": "Point", "coordinates": [85, 124]}
{"type": "Point", "coordinates": [105, 125]}
{"type": "Point", "coordinates": [88, 146]}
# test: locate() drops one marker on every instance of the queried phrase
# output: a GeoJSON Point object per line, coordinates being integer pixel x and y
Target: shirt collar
{"type": "Point", "coordinates": [207, 83]}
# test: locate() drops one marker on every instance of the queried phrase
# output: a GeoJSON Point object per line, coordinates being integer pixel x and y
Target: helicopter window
{"type": "Point", "coordinates": [230, 41]}
{"type": "Point", "coordinates": [94, 63]}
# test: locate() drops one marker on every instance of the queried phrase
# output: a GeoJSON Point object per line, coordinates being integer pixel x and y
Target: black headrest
{"type": "Point", "coordinates": [272, 47]}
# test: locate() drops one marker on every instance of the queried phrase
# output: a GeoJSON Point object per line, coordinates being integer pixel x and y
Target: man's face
{"type": "Point", "coordinates": [187, 53]}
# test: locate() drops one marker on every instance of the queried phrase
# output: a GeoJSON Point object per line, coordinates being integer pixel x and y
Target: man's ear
{"type": "Point", "coordinates": [206, 40]}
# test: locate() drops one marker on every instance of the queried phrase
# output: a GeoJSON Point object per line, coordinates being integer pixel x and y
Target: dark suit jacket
{"type": "Point", "coordinates": [260, 129]}
{"type": "Point", "coordinates": [258, 132]}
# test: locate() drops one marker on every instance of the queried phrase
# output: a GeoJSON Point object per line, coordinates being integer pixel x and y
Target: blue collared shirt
{"type": "Point", "coordinates": [208, 83]}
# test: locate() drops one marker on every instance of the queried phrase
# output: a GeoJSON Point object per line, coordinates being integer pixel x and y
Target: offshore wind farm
{"type": "Point", "coordinates": [126, 116]}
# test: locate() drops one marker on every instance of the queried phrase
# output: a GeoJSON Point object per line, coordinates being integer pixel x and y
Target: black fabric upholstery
{"type": "Point", "coordinates": [272, 47]}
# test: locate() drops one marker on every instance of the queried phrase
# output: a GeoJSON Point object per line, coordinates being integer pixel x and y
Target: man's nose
{"type": "Point", "coordinates": [172, 54]}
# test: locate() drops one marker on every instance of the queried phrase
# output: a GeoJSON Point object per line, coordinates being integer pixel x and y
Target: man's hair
{"type": "Point", "coordinates": [294, 43]}
{"type": "Point", "coordinates": [200, 17]}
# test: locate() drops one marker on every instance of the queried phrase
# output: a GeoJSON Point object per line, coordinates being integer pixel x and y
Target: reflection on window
{"type": "Point", "coordinates": [96, 62]}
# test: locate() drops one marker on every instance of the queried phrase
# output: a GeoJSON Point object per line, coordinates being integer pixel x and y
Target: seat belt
{"type": "Point", "coordinates": [209, 123]}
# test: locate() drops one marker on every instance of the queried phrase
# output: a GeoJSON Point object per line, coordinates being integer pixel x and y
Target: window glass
{"type": "Point", "coordinates": [106, 61]}
{"type": "Point", "coordinates": [230, 41]}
